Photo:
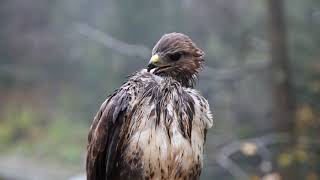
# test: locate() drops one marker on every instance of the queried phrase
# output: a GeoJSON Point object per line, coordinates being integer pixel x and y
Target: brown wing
{"type": "Point", "coordinates": [104, 136]}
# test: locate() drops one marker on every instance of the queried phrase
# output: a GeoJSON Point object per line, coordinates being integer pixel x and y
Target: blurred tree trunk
{"type": "Point", "coordinates": [284, 100]}
{"type": "Point", "coordinates": [284, 103]}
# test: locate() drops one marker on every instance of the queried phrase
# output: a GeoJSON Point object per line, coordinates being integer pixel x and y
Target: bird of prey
{"type": "Point", "coordinates": [154, 126]}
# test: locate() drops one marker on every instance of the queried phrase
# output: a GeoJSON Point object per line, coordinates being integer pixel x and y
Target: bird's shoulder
{"type": "Point", "coordinates": [202, 107]}
{"type": "Point", "coordinates": [162, 88]}
{"type": "Point", "coordinates": [143, 86]}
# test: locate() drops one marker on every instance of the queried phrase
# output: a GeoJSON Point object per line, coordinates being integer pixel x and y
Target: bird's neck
{"type": "Point", "coordinates": [184, 78]}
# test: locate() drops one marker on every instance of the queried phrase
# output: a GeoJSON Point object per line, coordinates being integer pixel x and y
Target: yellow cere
{"type": "Point", "coordinates": [154, 58]}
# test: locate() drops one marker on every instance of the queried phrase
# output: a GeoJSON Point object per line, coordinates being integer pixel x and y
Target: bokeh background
{"type": "Point", "coordinates": [60, 59]}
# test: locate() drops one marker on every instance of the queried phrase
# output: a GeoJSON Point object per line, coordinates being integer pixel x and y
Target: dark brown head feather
{"type": "Point", "coordinates": [182, 58]}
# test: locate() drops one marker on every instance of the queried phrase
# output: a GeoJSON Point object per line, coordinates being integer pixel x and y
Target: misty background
{"type": "Point", "coordinates": [60, 59]}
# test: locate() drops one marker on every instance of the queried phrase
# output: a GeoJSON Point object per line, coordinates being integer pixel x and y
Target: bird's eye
{"type": "Point", "coordinates": [175, 56]}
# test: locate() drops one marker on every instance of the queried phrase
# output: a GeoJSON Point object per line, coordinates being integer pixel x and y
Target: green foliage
{"type": "Point", "coordinates": [16, 125]}
{"type": "Point", "coordinates": [60, 138]}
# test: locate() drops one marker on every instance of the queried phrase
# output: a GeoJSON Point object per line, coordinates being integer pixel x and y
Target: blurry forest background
{"type": "Point", "coordinates": [60, 59]}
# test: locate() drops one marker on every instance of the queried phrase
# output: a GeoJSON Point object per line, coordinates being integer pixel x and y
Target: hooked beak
{"type": "Point", "coordinates": [153, 62]}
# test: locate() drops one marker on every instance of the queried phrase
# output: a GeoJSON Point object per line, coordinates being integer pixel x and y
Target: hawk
{"type": "Point", "coordinates": [154, 126]}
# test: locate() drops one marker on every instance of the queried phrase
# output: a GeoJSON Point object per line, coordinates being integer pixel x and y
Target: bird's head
{"type": "Point", "coordinates": [176, 56]}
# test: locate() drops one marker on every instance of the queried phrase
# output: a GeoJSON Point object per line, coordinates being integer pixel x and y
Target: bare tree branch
{"type": "Point", "coordinates": [113, 43]}
{"type": "Point", "coordinates": [224, 161]}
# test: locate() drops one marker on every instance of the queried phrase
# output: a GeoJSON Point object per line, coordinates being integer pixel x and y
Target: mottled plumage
{"type": "Point", "coordinates": [154, 126]}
